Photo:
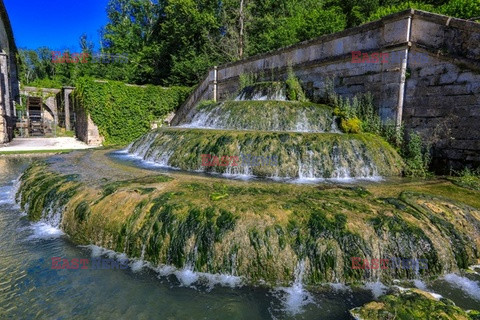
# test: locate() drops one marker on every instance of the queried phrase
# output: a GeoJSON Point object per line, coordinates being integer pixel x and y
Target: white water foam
{"type": "Point", "coordinates": [378, 289]}
{"type": "Point", "coordinates": [8, 193]}
{"type": "Point", "coordinates": [468, 286]}
{"type": "Point", "coordinates": [339, 287]}
{"type": "Point", "coordinates": [186, 276]}
{"type": "Point", "coordinates": [420, 284]}
{"type": "Point", "coordinates": [44, 231]}
{"type": "Point", "coordinates": [295, 298]}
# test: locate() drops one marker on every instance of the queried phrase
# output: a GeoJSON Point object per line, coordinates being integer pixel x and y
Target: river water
{"type": "Point", "coordinates": [31, 289]}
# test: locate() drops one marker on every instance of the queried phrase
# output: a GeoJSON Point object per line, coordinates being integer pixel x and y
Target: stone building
{"type": "Point", "coordinates": [9, 86]}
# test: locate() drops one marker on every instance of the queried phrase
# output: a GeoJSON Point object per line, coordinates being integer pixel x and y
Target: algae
{"type": "Point", "coordinates": [262, 231]}
{"type": "Point", "coordinates": [411, 304]}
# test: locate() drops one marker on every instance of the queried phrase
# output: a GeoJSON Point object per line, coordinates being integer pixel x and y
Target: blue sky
{"type": "Point", "coordinates": [57, 24]}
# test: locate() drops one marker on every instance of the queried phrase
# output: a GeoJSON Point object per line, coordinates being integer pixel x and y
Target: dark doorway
{"type": "Point", "coordinates": [35, 116]}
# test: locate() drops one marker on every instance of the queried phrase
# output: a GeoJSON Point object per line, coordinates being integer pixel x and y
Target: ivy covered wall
{"type": "Point", "coordinates": [125, 112]}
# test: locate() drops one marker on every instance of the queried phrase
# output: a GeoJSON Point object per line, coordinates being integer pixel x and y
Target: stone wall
{"type": "Point", "coordinates": [3, 130]}
{"type": "Point", "coordinates": [9, 86]}
{"type": "Point", "coordinates": [438, 86]}
{"type": "Point", "coordinates": [442, 99]}
{"type": "Point", "coordinates": [85, 128]}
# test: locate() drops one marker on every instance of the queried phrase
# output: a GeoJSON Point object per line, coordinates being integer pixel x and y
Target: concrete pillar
{"type": "Point", "coordinates": [403, 74]}
{"type": "Point", "coordinates": [215, 83]}
{"type": "Point", "coordinates": [5, 84]}
{"type": "Point", "coordinates": [66, 98]}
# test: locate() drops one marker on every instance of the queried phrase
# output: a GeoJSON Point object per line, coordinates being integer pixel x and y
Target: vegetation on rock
{"type": "Point", "coordinates": [122, 112]}
{"type": "Point", "coordinates": [408, 304]}
{"type": "Point", "coordinates": [261, 231]}
{"type": "Point", "coordinates": [322, 155]}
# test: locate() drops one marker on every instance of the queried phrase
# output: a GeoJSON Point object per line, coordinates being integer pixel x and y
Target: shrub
{"type": "Point", "coordinates": [469, 178]}
{"type": "Point", "coordinates": [294, 88]}
{"type": "Point", "coordinates": [416, 156]}
{"type": "Point", "coordinates": [353, 125]}
{"type": "Point", "coordinates": [246, 80]}
{"type": "Point", "coordinates": [359, 115]}
{"type": "Point", "coordinates": [464, 9]}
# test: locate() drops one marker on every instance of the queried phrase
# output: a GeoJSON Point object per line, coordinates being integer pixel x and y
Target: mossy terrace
{"type": "Point", "coordinates": [315, 155]}
{"type": "Point", "coordinates": [257, 230]}
{"type": "Point", "coordinates": [266, 116]}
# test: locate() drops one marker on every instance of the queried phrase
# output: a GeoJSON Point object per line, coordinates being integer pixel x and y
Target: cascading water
{"type": "Point", "coordinates": [263, 91]}
{"type": "Point", "coordinates": [303, 156]}
{"type": "Point", "coordinates": [303, 136]}
{"type": "Point", "coordinates": [296, 297]}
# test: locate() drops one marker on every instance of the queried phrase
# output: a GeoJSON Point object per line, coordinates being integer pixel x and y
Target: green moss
{"type": "Point", "coordinates": [263, 230]}
{"type": "Point", "coordinates": [411, 304]}
{"type": "Point", "coordinates": [326, 152]}
{"type": "Point", "coordinates": [468, 178]}
{"type": "Point", "coordinates": [353, 125]}
{"type": "Point", "coordinates": [82, 211]}
{"type": "Point", "coordinates": [269, 115]}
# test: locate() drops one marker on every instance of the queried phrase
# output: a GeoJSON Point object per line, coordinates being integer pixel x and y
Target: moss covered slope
{"type": "Point", "coordinates": [258, 230]}
{"type": "Point", "coordinates": [265, 116]}
{"type": "Point", "coordinates": [300, 155]}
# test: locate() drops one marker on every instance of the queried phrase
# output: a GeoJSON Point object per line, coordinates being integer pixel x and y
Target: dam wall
{"type": "Point", "coordinates": [422, 69]}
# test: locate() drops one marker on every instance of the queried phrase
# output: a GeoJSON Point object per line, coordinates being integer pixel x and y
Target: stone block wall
{"type": "Point", "coordinates": [442, 100]}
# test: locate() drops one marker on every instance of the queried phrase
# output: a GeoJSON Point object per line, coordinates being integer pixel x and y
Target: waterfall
{"type": "Point", "coordinates": [289, 116]}
{"type": "Point", "coordinates": [263, 91]}
{"type": "Point", "coordinates": [295, 298]}
{"type": "Point", "coordinates": [305, 157]}
{"type": "Point", "coordinates": [303, 135]}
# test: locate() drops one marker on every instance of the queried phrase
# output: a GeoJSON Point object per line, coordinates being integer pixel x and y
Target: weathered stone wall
{"type": "Point", "coordinates": [441, 78]}
{"type": "Point", "coordinates": [85, 128]}
{"type": "Point", "coordinates": [3, 130]}
{"type": "Point", "coordinates": [442, 99]}
{"type": "Point", "coordinates": [9, 87]}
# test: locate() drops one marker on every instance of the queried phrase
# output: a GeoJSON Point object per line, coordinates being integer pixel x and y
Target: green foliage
{"type": "Point", "coordinates": [468, 178]}
{"type": "Point", "coordinates": [354, 115]}
{"type": "Point", "coordinates": [465, 9]}
{"type": "Point", "coordinates": [386, 10]}
{"type": "Point", "coordinates": [46, 83]}
{"type": "Point", "coordinates": [246, 80]}
{"type": "Point", "coordinates": [122, 112]}
{"type": "Point", "coordinates": [352, 125]}
{"type": "Point", "coordinates": [274, 26]}
{"type": "Point", "coordinates": [359, 114]}
{"type": "Point", "coordinates": [294, 88]}
{"type": "Point", "coordinates": [417, 159]}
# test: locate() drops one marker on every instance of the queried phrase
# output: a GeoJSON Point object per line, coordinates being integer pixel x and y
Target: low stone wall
{"type": "Point", "coordinates": [438, 87]}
